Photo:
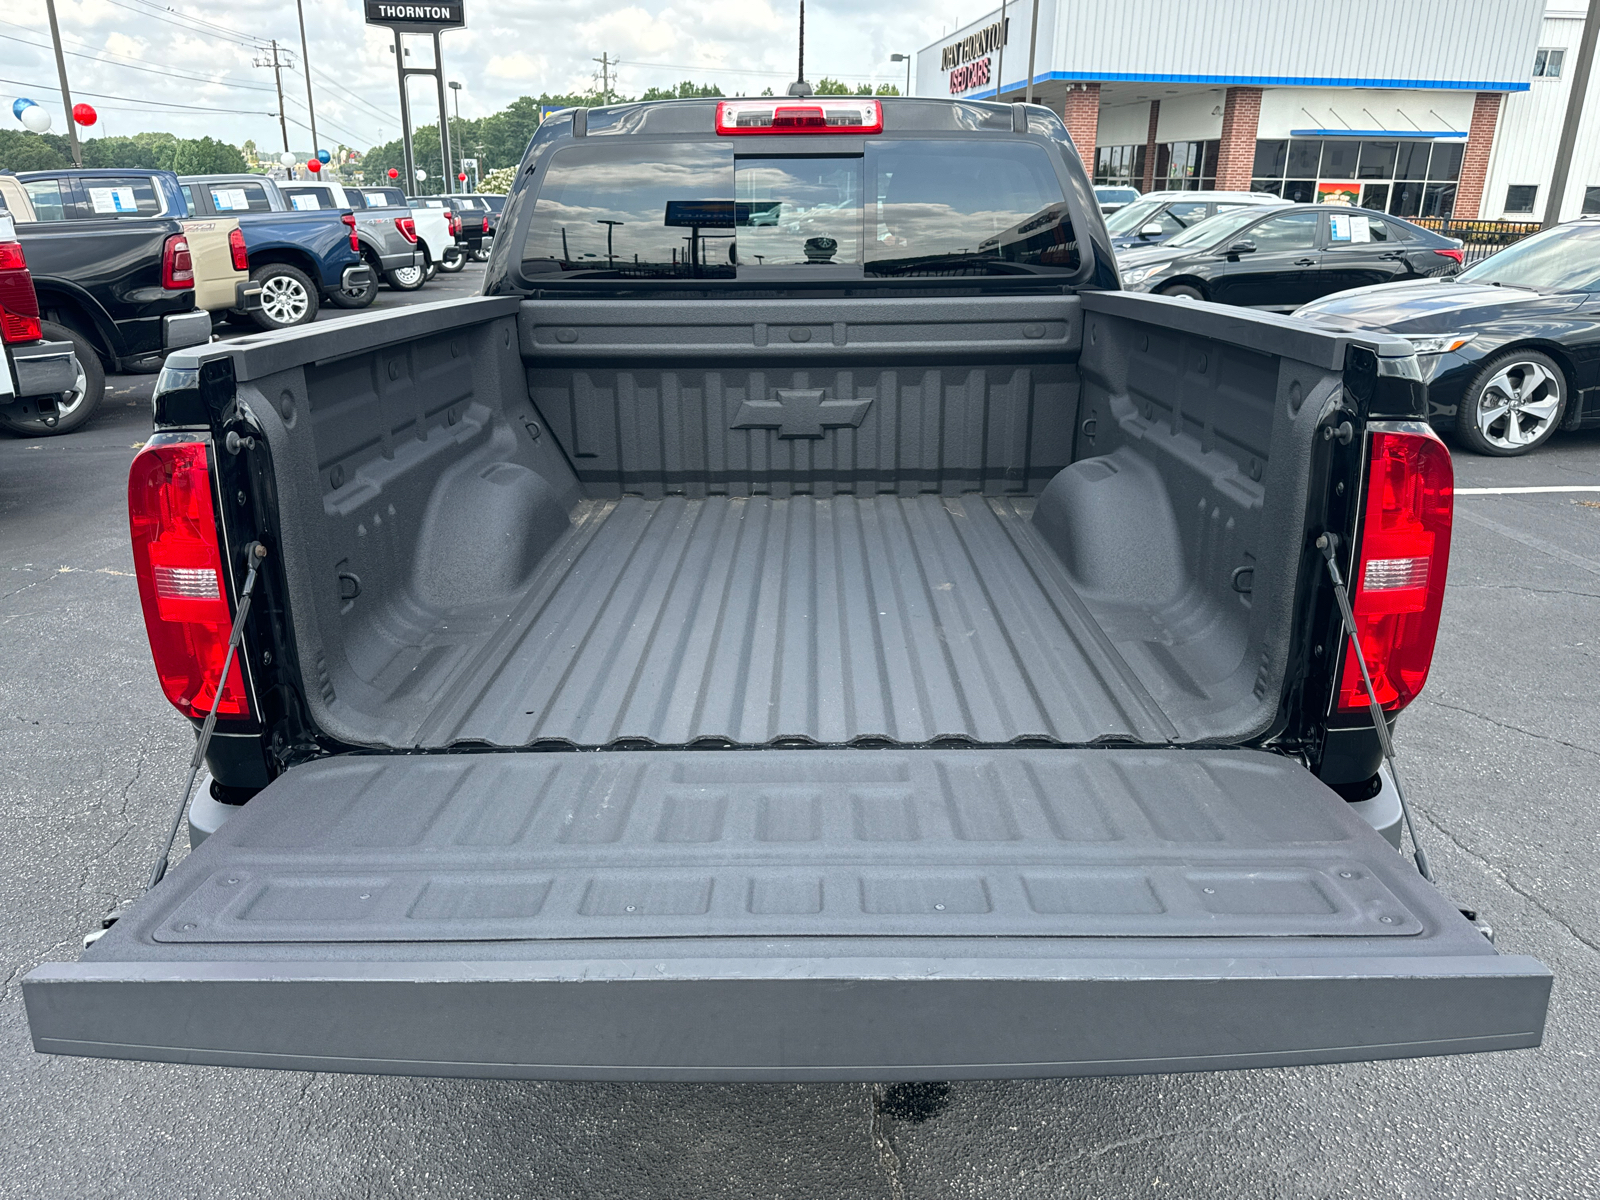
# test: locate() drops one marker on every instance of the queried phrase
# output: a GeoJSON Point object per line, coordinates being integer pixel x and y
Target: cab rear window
{"type": "Point", "coordinates": [902, 208]}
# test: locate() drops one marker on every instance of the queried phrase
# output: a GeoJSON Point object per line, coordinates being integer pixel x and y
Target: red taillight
{"type": "Point", "coordinates": [407, 226]}
{"type": "Point", "coordinates": [19, 304]}
{"type": "Point", "coordinates": [1455, 256]}
{"type": "Point", "coordinates": [350, 221]}
{"type": "Point", "coordinates": [452, 223]}
{"type": "Point", "coordinates": [182, 587]}
{"type": "Point", "coordinates": [810, 115]}
{"type": "Point", "coordinates": [486, 224]}
{"type": "Point", "coordinates": [1400, 568]}
{"type": "Point", "coordinates": [177, 268]}
{"type": "Point", "coordinates": [241, 258]}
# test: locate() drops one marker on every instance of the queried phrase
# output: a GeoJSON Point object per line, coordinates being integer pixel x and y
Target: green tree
{"type": "Point", "coordinates": [684, 91]}
{"type": "Point", "coordinates": [23, 151]}
{"type": "Point", "coordinates": [832, 87]}
{"type": "Point", "coordinates": [888, 89]}
{"type": "Point", "coordinates": [150, 151]}
{"type": "Point", "coordinates": [207, 156]}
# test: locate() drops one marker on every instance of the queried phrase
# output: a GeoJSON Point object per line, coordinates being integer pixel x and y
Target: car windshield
{"type": "Point", "coordinates": [1127, 220]}
{"type": "Point", "coordinates": [1217, 228]}
{"type": "Point", "coordinates": [1116, 195]}
{"type": "Point", "coordinates": [1563, 259]}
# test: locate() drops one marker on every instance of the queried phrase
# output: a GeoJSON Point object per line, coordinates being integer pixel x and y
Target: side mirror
{"type": "Point", "coordinates": [1151, 230]}
{"type": "Point", "coordinates": [1242, 248]}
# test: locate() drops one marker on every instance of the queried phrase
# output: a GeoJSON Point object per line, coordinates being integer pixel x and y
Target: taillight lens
{"type": "Point", "coordinates": [407, 226]}
{"type": "Point", "coordinates": [486, 224]}
{"type": "Point", "coordinates": [177, 268]}
{"type": "Point", "coordinates": [1455, 256]}
{"type": "Point", "coordinates": [241, 258]}
{"type": "Point", "coordinates": [451, 223]}
{"type": "Point", "coordinates": [350, 222]}
{"type": "Point", "coordinates": [809, 114]}
{"type": "Point", "coordinates": [19, 304]}
{"type": "Point", "coordinates": [178, 560]}
{"type": "Point", "coordinates": [1400, 568]}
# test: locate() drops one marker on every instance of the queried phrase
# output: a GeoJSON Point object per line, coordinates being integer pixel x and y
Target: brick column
{"type": "Point", "coordinates": [1475, 161]}
{"type": "Point", "coordinates": [1236, 155]}
{"type": "Point", "coordinates": [1082, 115]}
{"type": "Point", "coordinates": [1150, 148]}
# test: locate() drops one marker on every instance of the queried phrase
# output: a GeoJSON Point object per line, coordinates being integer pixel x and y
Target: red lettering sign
{"type": "Point", "coordinates": [968, 76]}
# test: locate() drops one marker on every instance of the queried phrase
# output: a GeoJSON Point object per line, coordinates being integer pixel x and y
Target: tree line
{"type": "Point", "coordinates": [21, 151]}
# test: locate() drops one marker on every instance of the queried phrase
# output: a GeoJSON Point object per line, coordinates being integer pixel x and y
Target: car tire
{"type": "Point", "coordinates": [1513, 405]}
{"type": "Point", "coordinates": [75, 407]}
{"type": "Point", "coordinates": [1185, 290]}
{"type": "Point", "coordinates": [288, 297]}
{"type": "Point", "coordinates": [453, 261]}
{"type": "Point", "coordinates": [406, 279]}
{"type": "Point", "coordinates": [433, 269]}
{"type": "Point", "coordinates": [358, 297]}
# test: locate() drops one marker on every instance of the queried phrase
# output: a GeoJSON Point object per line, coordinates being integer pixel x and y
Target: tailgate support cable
{"type": "Point", "coordinates": [1328, 543]}
{"type": "Point", "coordinates": [254, 553]}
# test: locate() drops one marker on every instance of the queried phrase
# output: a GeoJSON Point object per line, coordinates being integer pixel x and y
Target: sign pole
{"type": "Point", "coordinates": [444, 116]}
{"type": "Point", "coordinates": [405, 115]}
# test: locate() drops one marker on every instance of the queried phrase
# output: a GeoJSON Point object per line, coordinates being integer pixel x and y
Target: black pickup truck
{"type": "Point", "coordinates": [120, 289]}
{"type": "Point", "coordinates": [802, 622]}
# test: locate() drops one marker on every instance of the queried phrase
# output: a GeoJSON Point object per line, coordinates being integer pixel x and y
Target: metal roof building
{"type": "Point", "coordinates": [1431, 108]}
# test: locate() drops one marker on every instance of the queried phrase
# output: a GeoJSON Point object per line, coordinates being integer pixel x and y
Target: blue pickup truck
{"type": "Point", "coordinates": [299, 257]}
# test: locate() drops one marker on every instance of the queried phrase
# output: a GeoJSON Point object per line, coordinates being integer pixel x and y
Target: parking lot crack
{"type": "Point", "coordinates": [1505, 877]}
{"type": "Point", "coordinates": [883, 1142]}
{"type": "Point", "coordinates": [1543, 737]}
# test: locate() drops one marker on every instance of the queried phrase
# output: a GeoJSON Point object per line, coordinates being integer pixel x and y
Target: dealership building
{"type": "Point", "coordinates": [1421, 108]}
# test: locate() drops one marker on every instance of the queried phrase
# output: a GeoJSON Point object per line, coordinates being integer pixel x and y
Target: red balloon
{"type": "Point", "coordinates": [462, 177]}
{"type": "Point", "coordinates": [313, 166]}
{"type": "Point", "coordinates": [84, 114]}
{"type": "Point", "coordinates": [393, 173]}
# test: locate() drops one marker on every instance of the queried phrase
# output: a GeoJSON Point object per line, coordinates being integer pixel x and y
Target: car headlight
{"type": "Point", "coordinates": [1138, 274]}
{"type": "Point", "coordinates": [1438, 343]}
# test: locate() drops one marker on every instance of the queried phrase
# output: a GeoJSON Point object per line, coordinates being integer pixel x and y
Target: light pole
{"type": "Point", "coordinates": [905, 58]}
{"type": "Point", "coordinates": [456, 89]}
{"type": "Point", "coordinates": [611, 227]}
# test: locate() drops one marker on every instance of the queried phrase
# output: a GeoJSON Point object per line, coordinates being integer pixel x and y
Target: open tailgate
{"type": "Point", "coordinates": [791, 915]}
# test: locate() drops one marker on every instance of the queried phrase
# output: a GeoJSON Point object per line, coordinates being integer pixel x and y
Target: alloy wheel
{"type": "Point", "coordinates": [283, 300]}
{"type": "Point", "coordinates": [1518, 405]}
{"type": "Point", "coordinates": [407, 276]}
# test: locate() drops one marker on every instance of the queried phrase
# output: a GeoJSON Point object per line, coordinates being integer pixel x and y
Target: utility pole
{"type": "Point", "coordinates": [1569, 127]}
{"type": "Point", "coordinates": [66, 96]}
{"type": "Point", "coordinates": [606, 63]}
{"type": "Point", "coordinates": [1000, 67]}
{"type": "Point", "coordinates": [305, 61]}
{"type": "Point", "coordinates": [277, 74]}
{"type": "Point", "coordinates": [1033, 45]}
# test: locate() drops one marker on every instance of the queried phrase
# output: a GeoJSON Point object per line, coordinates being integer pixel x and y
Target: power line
{"type": "Point", "coordinates": [173, 73]}
{"type": "Point", "coordinates": [332, 82]}
{"type": "Point", "coordinates": [142, 100]}
{"type": "Point", "coordinates": [191, 24]}
{"type": "Point", "coordinates": [737, 71]}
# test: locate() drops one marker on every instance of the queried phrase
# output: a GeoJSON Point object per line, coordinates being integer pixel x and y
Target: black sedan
{"type": "Point", "coordinates": [1282, 257]}
{"type": "Point", "coordinates": [1510, 348]}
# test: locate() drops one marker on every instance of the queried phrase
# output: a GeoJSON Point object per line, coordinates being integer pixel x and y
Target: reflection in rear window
{"type": "Point", "coordinates": [905, 208]}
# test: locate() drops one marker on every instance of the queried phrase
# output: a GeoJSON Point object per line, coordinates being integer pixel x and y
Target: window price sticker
{"type": "Point", "coordinates": [113, 200]}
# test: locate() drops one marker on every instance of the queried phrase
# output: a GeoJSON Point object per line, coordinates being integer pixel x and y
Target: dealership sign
{"type": "Point", "coordinates": [967, 61]}
{"type": "Point", "coordinates": [417, 18]}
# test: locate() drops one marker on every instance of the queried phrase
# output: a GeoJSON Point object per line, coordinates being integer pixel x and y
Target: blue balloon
{"type": "Point", "coordinates": [16, 109]}
{"type": "Point", "coordinates": [324, 156]}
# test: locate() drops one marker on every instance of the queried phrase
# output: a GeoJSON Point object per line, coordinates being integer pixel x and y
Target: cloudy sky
{"type": "Point", "coordinates": [189, 68]}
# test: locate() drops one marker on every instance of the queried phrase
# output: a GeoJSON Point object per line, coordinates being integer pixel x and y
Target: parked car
{"type": "Point", "coordinates": [216, 247]}
{"type": "Point", "coordinates": [823, 657]}
{"type": "Point", "coordinates": [495, 205]}
{"type": "Point", "coordinates": [1281, 257]}
{"type": "Point", "coordinates": [387, 234]}
{"type": "Point", "coordinates": [470, 221]}
{"type": "Point", "coordinates": [1113, 198]}
{"type": "Point", "coordinates": [121, 291]}
{"type": "Point", "coordinates": [299, 257]}
{"type": "Point", "coordinates": [37, 374]}
{"type": "Point", "coordinates": [1157, 216]}
{"type": "Point", "coordinates": [434, 239]}
{"type": "Point", "coordinates": [1510, 347]}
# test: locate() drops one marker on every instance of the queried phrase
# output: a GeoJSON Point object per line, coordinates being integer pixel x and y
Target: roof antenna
{"type": "Point", "coordinates": [800, 87]}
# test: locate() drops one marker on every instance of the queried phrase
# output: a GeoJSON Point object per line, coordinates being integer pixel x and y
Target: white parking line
{"type": "Point", "coordinates": [1525, 491]}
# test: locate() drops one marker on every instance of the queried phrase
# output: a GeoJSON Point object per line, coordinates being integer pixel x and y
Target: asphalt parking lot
{"type": "Point", "coordinates": [1501, 757]}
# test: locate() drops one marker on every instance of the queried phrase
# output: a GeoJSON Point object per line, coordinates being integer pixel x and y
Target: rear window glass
{"type": "Point", "coordinates": [239, 197]}
{"type": "Point", "coordinates": [904, 208]}
{"type": "Point", "coordinates": [384, 197]}
{"type": "Point", "coordinates": [48, 202]}
{"type": "Point", "coordinates": [305, 198]}
{"type": "Point", "coordinates": [131, 197]}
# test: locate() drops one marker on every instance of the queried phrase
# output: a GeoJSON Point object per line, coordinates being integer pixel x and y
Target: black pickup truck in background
{"type": "Point", "coordinates": [121, 290]}
{"type": "Point", "coordinates": [36, 373]}
{"type": "Point", "coordinates": [803, 622]}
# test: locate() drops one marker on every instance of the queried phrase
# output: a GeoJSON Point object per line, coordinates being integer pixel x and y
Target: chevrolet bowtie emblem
{"type": "Point", "coordinates": [800, 413]}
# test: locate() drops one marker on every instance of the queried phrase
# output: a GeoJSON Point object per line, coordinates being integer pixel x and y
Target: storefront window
{"type": "Point", "coordinates": [1186, 166]}
{"type": "Point", "coordinates": [1520, 197]}
{"type": "Point", "coordinates": [1591, 200]}
{"type": "Point", "coordinates": [1406, 178]}
{"type": "Point", "coordinates": [1119, 165]}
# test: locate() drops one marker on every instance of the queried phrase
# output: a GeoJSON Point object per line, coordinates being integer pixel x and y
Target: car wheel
{"type": "Point", "coordinates": [357, 297]}
{"type": "Point", "coordinates": [74, 408]}
{"type": "Point", "coordinates": [288, 297]}
{"type": "Point", "coordinates": [406, 279]}
{"type": "Point", "coordinates": [1182, 289]}
{"type": "Point", "coordinates": [433, 269]}
{"type": "Point", "coordinates": [1513, 405]}
{"type": "Point", "coordinates": [454, 261]}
